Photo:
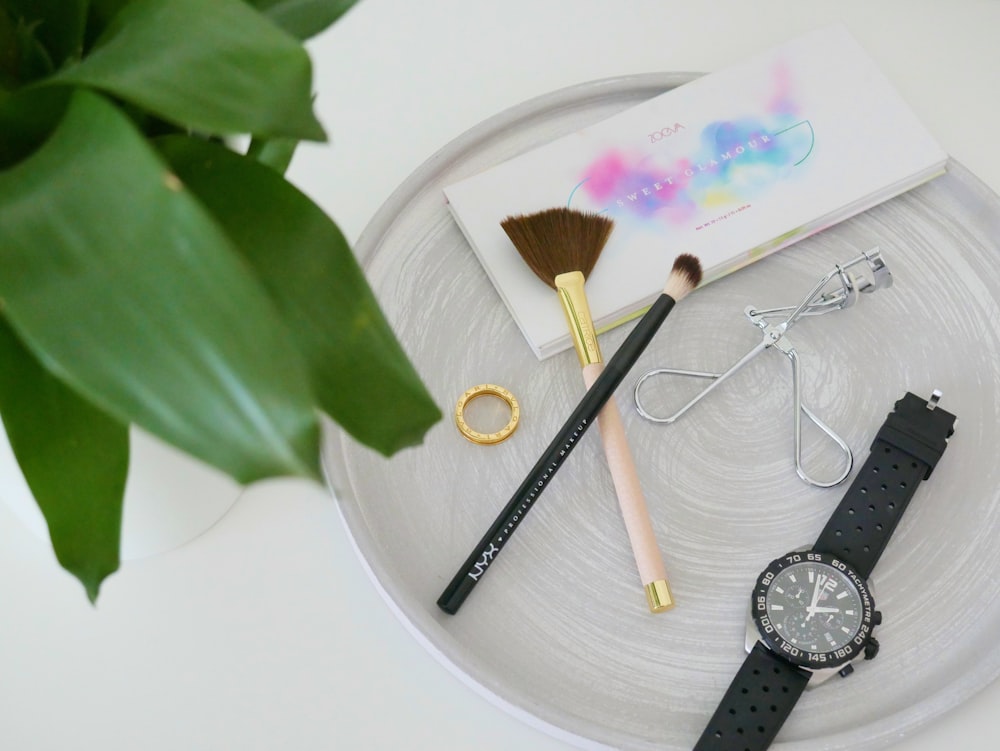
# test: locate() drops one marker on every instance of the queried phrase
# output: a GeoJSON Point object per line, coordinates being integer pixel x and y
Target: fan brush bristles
{"type": "Point", "coordinates": [557, 241]}
{"type": "Point", "coordinates": [685, 275]}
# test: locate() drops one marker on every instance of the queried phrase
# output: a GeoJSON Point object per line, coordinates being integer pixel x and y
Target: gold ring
{"type": "Point", "coordinates": [487, 389]}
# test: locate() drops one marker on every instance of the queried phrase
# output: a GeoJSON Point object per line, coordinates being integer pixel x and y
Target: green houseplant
{"type": "Point", "coordinates": [152, 275]}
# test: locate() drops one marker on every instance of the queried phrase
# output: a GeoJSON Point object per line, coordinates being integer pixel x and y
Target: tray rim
{"type": "Point", "coordinates": [869, 736]}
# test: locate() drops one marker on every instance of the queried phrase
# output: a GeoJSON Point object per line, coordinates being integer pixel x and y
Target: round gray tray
{"type": "Point", "coordinates": [558, 631]}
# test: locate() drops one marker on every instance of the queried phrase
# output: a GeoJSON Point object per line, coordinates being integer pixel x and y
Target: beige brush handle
{"type": "Point", "coordinates": [652, 572]}
{"type": "Point", "coordinates": [630, 497]}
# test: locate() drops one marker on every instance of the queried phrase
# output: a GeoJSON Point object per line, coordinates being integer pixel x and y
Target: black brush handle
{"type": "Point", "coordinates": [565, 441]}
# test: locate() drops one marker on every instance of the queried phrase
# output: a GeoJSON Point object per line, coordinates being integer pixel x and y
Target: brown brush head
{"type": "Point", "coordinates": [557, 241]}
{"type": "Point", "coordinates": [684, 276]}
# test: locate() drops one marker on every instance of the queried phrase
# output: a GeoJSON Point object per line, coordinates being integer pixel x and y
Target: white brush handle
{"type": "Point", "coordinates": [626, 480]}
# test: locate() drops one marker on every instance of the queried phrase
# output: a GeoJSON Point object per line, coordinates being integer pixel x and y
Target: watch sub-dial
{"type": "Point", "coordinates": [818, 634]}
{"type": "Point", "coordinates": [791, 596]}
{"type": "Point", "coordinates": [797, 595]}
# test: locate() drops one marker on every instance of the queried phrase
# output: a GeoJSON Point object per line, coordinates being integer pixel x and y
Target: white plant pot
{"type": "Point", "coordinates": [170, 498]}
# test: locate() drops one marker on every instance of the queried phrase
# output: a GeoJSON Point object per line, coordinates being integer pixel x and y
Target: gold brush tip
{"type": "Point", "coordinates": [658, 596]}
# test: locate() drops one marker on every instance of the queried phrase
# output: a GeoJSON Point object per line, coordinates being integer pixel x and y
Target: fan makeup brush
{"type": "Point", "coordinates": [684, 277]}
{"type": "Point", "coordinates": [561, 246]}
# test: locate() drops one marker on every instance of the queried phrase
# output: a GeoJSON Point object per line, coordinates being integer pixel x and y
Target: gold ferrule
{"type": "Point", "coordinates": [581, 325]}
{"type": "Point", "coordinates": [658, 596]}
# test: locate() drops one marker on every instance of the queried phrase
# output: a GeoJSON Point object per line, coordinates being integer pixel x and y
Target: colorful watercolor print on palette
{"type": "Point", "coordinates": [729, 167]}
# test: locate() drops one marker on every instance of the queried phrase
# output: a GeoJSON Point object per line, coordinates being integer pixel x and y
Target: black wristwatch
{"type": "Point", "coordinates": [811, 612]}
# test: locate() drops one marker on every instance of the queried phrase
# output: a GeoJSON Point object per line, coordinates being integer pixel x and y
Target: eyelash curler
{"type": "Point", "coordinates": [837, 290]}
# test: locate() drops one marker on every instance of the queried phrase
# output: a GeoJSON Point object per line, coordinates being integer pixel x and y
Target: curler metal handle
{"type": "Point", "coordinates": [819, 301]}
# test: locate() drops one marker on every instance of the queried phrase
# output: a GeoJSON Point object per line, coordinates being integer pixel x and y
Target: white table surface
{"type": "Point", "coordinates": [265, 632]}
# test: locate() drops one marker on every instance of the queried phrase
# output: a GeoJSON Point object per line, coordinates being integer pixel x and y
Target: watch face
{"type": "Point", "coordinates": [813, 609]}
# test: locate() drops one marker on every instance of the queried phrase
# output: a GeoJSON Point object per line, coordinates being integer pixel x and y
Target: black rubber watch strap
{"type": "Point", "coordinates": [755, 705]}
{"type": "Point", "coordinates": [860, 528]}
{"type": "Point", "coordinates": [903, 454]}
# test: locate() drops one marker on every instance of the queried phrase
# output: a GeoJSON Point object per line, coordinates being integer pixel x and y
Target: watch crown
{"type": "Point", "coordinates": [871, 648]}
{"type": "Point", "coordinates": [877, 618]}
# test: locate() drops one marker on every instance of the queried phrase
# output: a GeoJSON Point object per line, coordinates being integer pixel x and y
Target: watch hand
{"type": "Point", "coordinates": [820, 580]}
{"type": "Point", "coordinates": [812, 610]}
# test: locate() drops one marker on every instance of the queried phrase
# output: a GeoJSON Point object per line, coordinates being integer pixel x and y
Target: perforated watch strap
{"type": "Point", "coordinates": [755, 705]}
{"type": "Point", "coordinates": [862, 524]}
{"type": "Point", "coordinates": [903, 454]}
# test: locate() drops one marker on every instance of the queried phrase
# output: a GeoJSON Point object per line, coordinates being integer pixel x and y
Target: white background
{"type": "Point", "coordinates": [265, 632]}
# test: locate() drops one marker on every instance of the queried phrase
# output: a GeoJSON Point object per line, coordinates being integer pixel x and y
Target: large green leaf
{"type": "Point", "coordinates": [276, 153]}
{"type": "Point", "coordinates": [125, 288]}
{"type": "Point", "coordinates": [74, 458]}
{"type": "Point", "coordinates": [360, 374]}
{"type": "Point", "coordinates": [215, 66]}
{"type": "Point", "coordinates": [303, 18]}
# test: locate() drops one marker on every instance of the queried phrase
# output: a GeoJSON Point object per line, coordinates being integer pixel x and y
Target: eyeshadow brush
{"type": "Point", "coordinates": [684, 277]}
{"type": "Point", "coordinates": [562, 246]}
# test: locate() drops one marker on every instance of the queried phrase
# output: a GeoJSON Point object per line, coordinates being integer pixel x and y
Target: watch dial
{"type": "Point", "coordinates": [813, 609]}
